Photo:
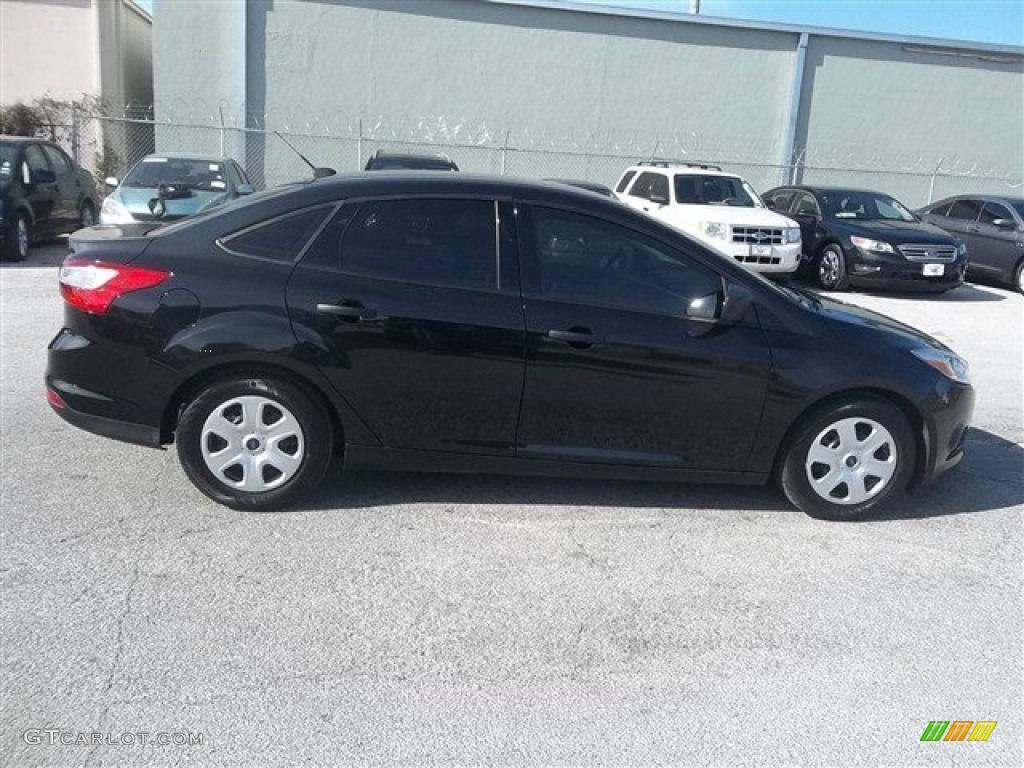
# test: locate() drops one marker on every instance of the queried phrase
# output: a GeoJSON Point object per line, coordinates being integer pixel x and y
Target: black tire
{"type": "Point", "coordinates": [17, 242]}
{"type": "Point", "coordinates": [820, 430]}
{"type": "Point", "coordinates": [830, 268]}
{"type": "Point", "coordinates": [308, 451]}
{"type": "Point", "coordinates": [86, 215]}
{"type": "Point", "coordinates": [1018, 277]}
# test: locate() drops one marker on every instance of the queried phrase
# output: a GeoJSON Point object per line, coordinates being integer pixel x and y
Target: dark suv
{"type": "Point", "coordinates": [42, 194]}
{"type": "Point", "coordinates": [403, 161]}
{"type": "Point", "coordinates": [470, 323]}
{"type": "Point", "coordinates": [861, 238]}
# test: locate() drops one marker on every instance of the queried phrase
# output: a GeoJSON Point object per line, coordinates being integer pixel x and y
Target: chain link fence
{"type": "Point", "coordinates": [109, 146]}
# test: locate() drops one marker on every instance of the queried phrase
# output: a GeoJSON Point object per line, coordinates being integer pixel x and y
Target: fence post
{"type": "Point", "coordinates": [931, 184]}
{"type": "Point", "coordinates": [223, 132]}
{"type": "Point", "coordinates": [504, 151]}
{"type": "Point", "coordinates": [75, 138]}
{"type": "Point", "coordinates": [359, 147]}
{"type": "Point", "coordinates": [794, 170]}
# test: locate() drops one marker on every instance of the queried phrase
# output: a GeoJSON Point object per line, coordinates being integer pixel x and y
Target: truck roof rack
{"type": "Point", "coordinates": [662, 163]}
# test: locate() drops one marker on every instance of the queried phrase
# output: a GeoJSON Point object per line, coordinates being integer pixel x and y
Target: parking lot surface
{"type": "Point", "coordinates": [439, 618]}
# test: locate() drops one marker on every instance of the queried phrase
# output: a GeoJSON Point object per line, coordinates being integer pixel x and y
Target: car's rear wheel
{"type": "Point", "coordinates": [17, 243]}
{"type": "Point", "coordinates": [87, 215]}
{"type": "Point", "coordinates": [1018, 277]}
{"type": "Point", "coordinates": [254, 443]}
{"type": "Point", "coordinates": [830, 268]}
{"type": "Point", "coordinates": [847, 460]}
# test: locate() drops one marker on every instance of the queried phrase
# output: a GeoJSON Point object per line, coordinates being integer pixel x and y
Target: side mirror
{"type": "Point", "coordinates": [158, 207]}
{"type": "Point", "coordinates": [43, 176]}
{"type": "Point", "coordinates": [659, 199]}
{"type": "Point", "coordinates": [245, 189]}
{"type": "Point", "coordinates": [738, 301]}
{"type": "Point", "coordinates": [1007, 224]}
{"type": "Point", "coordinates": [111, 182]}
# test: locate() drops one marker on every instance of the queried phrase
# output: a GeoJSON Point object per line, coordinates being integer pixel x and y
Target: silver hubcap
{"type": "Point", "coordinates": [851, 461]}
{"type": "Point", "coordinates": [252, 444]}
{"type": "Point", "coordinates": [829, 268]}
{"type": "Point", "coordinates": [22, 238]}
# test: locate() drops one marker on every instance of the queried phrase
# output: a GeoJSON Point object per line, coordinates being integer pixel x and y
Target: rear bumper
{"type": "Point", "coordinates": [138, 434]}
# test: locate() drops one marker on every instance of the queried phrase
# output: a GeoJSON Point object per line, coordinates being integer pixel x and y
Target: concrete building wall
{"type": "Point", "coordinates": [556, 76]}
{"type": "Point", "coordinates": [47, 47]}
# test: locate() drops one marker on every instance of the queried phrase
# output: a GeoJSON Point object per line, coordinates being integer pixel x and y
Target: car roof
{"type": "Point", "coordinates": [1012, 199]}
{"type": "Point", "coordinates": [671, 166]}
{"type": "Point", "coordinates": [185, 156]}
{"type": "Point", "coordinates": [817, 189]}
{"type": "Point", "coordinates": [412, 155]}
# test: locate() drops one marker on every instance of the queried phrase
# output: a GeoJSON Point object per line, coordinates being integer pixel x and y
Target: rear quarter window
{"type": "Point", "coordinates": [281, 239]}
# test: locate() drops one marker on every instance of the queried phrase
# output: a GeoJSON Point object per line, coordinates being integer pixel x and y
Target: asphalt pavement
{"type": "Point", "coordinates": [423, 619]}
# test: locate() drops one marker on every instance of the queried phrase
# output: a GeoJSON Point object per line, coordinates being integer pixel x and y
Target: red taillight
{"type": "Point", "coordinates": [54, 399]}
{"type": "Point", "coordinates": [93, 285]}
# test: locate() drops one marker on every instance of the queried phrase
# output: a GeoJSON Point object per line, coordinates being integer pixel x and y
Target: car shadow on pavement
{"type": "Point", "coordinates": [966, 293]}
{"type": "Point", "coordinates": [990, 477]}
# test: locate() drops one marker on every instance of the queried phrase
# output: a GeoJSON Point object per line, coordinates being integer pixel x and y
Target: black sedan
{"type": "Point", "coordinates": [426, 321]}
{"type": "Point", "coordinates": [992, 227]}
{"type": "Point", "coordinates": [854, 237]}
{"type": "Point", "coordinates": [42, 194]}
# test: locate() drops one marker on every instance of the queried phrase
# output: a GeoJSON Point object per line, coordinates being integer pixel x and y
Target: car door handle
{"type": "Point", "coordinates": [349, 312]}
{"type": "Point", "coordinates": [578, 338]}
{"type": "Point", "coordinates": [974, 228]}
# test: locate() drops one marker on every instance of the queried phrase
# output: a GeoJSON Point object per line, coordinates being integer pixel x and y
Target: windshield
{"type": "Point", "coordinates": [863, 206]}
{"type": "Point", "coordinates": [715, 190]}
{"type": "Point", "coordinates": [204, 175]}
{"type": "Point", "coordinates": [8, 156]}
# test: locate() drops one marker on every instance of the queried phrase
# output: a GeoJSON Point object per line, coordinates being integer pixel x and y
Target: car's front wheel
{"type": "Point", "coordinates": [254, 443]}
{"type": "Point", "coordinates": [847, 460]}
{"type": "Point", "coordinates": [830, 268]}
{"type": "Point", "coordinates": [86, 215]}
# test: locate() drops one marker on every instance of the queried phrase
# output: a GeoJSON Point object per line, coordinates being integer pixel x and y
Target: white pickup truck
{"type": "Point", "coordinates": [720, 209]}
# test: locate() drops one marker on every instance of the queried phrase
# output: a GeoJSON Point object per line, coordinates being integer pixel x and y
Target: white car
{"type": "Point", "coordinates": [720, 209]}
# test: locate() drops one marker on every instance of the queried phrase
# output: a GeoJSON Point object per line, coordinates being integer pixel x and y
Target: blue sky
{"type": "Point", "coordinates": [988, 21]}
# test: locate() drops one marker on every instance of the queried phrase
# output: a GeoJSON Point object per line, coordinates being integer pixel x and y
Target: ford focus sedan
{"type": "Point", "coordinates": [423, 321]}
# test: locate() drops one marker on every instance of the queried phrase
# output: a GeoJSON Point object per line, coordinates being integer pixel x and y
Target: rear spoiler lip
{"type": "Point", "coordinates": [121, 243]}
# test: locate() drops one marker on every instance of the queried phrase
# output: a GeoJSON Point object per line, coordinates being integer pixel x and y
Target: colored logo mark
{"type": "Point", "coordinates": [958, 730]}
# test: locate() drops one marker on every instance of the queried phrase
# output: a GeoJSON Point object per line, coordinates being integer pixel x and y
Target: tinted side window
{"type": "Point", "coordinates": [965, 209]}
{"type": "Point", "coordinates": [35, 158]}
{"type": "Point", "coordinates": [435, 242]}
{"type": "Point", "coordinates": [280, 239]}
{"type": "Point", "coordinates": [650, 184]}
{"type": "Point", "coordinates": [628, 177]}
{"type": "Point", "coordinates": [586, 260]}
{"type": "Point", "coordinates": [58, 162]}
{"type": "Point", "coordinates": [941, 209]}
{"type": "Point", "coordinates": [993, 211]}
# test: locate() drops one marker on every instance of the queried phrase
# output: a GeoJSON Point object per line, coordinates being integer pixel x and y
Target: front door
{"type": "Point", "coordinates": [625, 361]}
{"type": "Point", "coordinates": [995, 249]}
{"type": "Point", "coordinates": [412, 310]}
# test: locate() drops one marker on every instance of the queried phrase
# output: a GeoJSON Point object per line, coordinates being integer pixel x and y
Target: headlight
{"type": "Point", "coordinates": [867, 244]}
{"type": "Point", "coordinates": [791, 234]}
{"type": "Point", "coordinates": [114, 212]}
{"type": "Point", "coordinates": [946, 363]}
{"type": "Point", "coordinates": [715, 229]}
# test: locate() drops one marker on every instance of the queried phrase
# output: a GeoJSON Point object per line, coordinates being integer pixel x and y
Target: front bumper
{"type": "Point", "coordinates": [778, 259]}
{"type": "Point", "coordinates": [947, 420]}
{"type": "Point", "coordinates": [893, 271]}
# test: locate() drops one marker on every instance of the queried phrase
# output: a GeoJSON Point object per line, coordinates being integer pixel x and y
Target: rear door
{"type": "Point", "coordinates": [412, 309]}
{"type": "Point", "coordinates": [961, 220]}
{"type": "Point", "coordinates": [625, 362]}
{"type": "Point", "coordinates": [69, 188]}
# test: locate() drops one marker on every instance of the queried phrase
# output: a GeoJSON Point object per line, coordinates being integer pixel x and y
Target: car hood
{"type": "Point", "coordinates": [136, 200]}
{"type": "Point", "coordinates": [735, 214]}
{"type": "Point", "coordinates": [899, 232]}
{"type": "Point", "coordinates": [847, 317]}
